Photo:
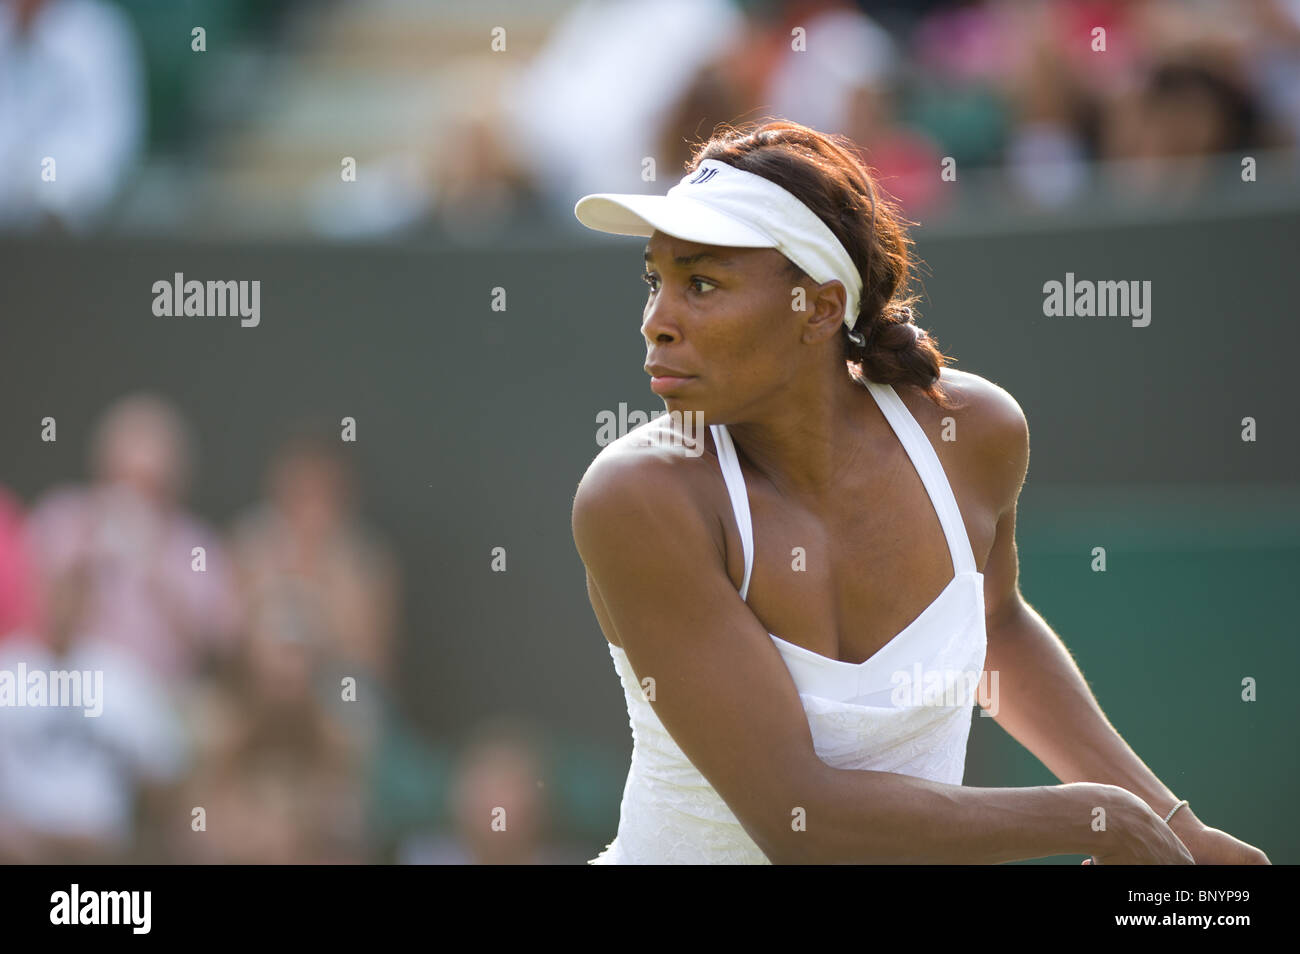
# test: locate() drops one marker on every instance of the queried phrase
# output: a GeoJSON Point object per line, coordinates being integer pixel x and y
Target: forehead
{"type": "Point", "coordinates": [668, 250]}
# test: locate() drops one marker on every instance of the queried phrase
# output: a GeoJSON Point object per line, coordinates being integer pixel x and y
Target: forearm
{"type": "Point", "coordinates": [866, 817]}
{"type": "Point", "coordinates": [1044, 702]}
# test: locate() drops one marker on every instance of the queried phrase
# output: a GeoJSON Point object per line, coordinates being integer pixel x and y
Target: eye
{"type": "Point", "coordinates": [650, 279]}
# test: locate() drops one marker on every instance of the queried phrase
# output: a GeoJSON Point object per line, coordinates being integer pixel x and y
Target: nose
{"type": "Point", "coordinates": [658, 324]}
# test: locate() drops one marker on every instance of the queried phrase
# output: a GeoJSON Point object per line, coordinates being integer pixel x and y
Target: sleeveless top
{"type": "Point", "coordinates": [907, 709]}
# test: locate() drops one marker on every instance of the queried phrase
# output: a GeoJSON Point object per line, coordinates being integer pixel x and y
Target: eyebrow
{"type": "Point", "coordinates": [686, 260]}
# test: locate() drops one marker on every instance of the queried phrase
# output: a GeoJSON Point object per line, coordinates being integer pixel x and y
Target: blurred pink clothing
{"type": "Point", "coordinates": [17, 582]}
{"type": "Point", "coordinates": [146, 594]}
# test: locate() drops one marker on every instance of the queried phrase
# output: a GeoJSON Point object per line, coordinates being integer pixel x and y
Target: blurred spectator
{"type": "Point", "coordinates": [1190, 110]}
{"type": "Point", "coordinates": [149, 593]}
{"type": "Point", "coordinates": [278, 776]}
{"type": "Point", "coordinates": [584, 114]}
{"type": "Point", "coordinates": [307, 536]}
{"type": "Point", "coordinates": [71, 782]}
{"type": "Point", "coordinates": [72, 89]}
{"type": "Point", "coordinates": [499, 805]}
{"type": "Point", "coordinates": [1274, 61]}
{"type": "Point", "coordinates": [843, 79]}
{"type": "Point", "coordinates": [843, 52]}
{"type": "Point", "coordinates": [479, 183]}
{"type": "Point", "coordinates": [17, 583]}
{"type": "Point", "coordinates": [1054, 103]}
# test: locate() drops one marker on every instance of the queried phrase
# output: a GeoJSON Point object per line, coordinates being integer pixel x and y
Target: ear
{"type": "Point", "coordinates": [824, 314]}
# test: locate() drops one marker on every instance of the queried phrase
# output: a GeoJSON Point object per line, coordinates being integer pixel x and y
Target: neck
{"type": "Point", "coordinates": [808, 436]}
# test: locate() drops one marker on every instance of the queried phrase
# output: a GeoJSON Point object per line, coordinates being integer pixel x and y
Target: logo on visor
{"type": "Point", "coordinates": [704, 175]}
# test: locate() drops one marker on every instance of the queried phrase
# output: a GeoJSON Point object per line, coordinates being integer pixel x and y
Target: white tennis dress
{"type": "Point", "coordinates": [671, 815]}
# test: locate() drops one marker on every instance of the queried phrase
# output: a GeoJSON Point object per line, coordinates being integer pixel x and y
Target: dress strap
{"type": "Point", "coordinates": [927, 465]}
{"type": "Point", "coordinates": [919, 451]}
{"type": "Point", "coordinates": [731, 473]}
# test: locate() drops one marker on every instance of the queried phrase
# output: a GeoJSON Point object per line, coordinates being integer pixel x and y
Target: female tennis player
{"type": "Point", "coordinates": [799, 602]}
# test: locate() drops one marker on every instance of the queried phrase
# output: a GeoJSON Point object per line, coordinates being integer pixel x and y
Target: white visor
{"type": "Point", "coordinates": [718, 204]}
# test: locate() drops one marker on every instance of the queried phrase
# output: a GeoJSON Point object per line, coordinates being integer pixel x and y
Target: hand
{"type": "Point", "coordinates": [1136, 835]}
{"type": "Point", "coordinates": [1210, 846]}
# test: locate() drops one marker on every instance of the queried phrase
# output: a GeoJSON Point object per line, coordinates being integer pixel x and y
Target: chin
{"type": "Point", "coordinates": [682, 405]}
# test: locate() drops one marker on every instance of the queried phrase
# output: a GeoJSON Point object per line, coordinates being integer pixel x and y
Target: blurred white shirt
{"type": "Point", "coordinates": [72, 88]}
{"type": "Point", "coordinates": [587, 110]}
{"type": "Point", "coordinates": [65, 773]}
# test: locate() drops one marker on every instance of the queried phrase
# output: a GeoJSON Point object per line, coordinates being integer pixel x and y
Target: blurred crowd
{"type": "Point", "coordinates": [1043, 97]}
{"type": "Point", "coordinates": [1052, 99]}
{"type": "Point", "coordinates": [247, 700]}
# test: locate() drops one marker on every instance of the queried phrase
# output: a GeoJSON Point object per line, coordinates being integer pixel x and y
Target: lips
{"type": "Point", "coordinates": [663, 371]}
{"type": "Point", "coordinates": [664, 380]}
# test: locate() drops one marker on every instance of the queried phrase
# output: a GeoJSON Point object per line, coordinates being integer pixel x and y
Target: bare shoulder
{"type": "Point", "coordinates": [649, 456]}
{"type": "Point", "coordinates": [649, 476]}
{"type": "Point", "coordinates": [988, 431]}
{"type": "Point", "coordinates": [984, 403]}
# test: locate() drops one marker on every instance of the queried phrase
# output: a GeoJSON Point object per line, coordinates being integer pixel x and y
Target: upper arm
{"type": "Point", "coordinates": [1004, 459]}
{"type": "Point", "coordinates": [721, 688]}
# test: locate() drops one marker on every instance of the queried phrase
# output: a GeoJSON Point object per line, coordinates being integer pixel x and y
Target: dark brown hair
{"type": "Point", "coordinates": [827, 174]}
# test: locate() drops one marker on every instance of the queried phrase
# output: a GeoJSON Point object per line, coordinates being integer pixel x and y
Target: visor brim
{"type": "Point", "coordinates": [678, 216]}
